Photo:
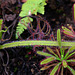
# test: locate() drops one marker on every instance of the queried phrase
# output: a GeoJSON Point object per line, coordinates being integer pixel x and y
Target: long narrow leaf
{"type": "Point", "coordinates": [74, 13]}
{"type": "Point", "coordinates": [72, 49]}
{"type": "Point", "coordinates": [62, 70]}
{"type": "Point", "coordinates": [51, 51]}
{"type": "Point", "coordinates": [46, 67]}
{"type": "Point", "coordinates": [58, 52]}
{"type": "Point", "coordinates": [43, 53]}
{"type": "Point", "coordinates": [68, 32]}
{"type": "Point", "coordinates": [70, 55]}
{"type": "Point", "coordinates": [66, 29]}
{"type": "Point", "coordinates": [59, 37]}
{"type": "Point", "coordinates": [59, 42]}
{"type": "Point", "coordinates": [55, 69]}
{"type": "Point", "coordinates": [1, 21]}
{"type": "Point", "coordinates": [71, 70]}
{"type": "Point", "coordinates": [45, 61]}
{"type": "Point", "coordinates": [35, 42]}
{"type": "Point", "coordinates": [71, 60]}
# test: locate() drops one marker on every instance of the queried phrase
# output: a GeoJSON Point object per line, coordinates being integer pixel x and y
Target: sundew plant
{"type": "Point", "coordinates": [57, 58]}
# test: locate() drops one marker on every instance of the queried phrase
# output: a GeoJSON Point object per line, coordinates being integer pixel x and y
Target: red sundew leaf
{"type": "Point", "coordinates": [45, 61]}
{"type": "Point", "coordinates": [55, 69]}
{"type": "Point", "coordinates": [43, 53]}
{"type": "Point", "coordinates": [68, 32]}
{"type": "Point", "coordinates": [46, 67]}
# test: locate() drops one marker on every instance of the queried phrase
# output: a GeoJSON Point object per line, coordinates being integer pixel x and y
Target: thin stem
{"type": "Point", "coordinates": [35, 42]}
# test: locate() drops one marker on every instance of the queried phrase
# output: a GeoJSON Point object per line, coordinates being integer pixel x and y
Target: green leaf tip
{"type": "Point", "coordinates": [47, 60]}
{"type": "Point", "coordinates": [59, 37]}
{"type": "Point", "coordinates": [43, 53]}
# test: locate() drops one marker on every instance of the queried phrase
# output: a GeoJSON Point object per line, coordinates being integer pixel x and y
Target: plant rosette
{"type": "Point", "coordinates": [54, 59]}
{"type": "Point", "coordinates": [58, 58]}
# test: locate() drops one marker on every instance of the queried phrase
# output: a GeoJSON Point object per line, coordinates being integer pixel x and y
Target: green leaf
{"type": "Point", "coordinates": [34, 42]}
{"type": "Point", "coordinates": [71, 60]}
{"type": "Point", "coordinates": [22, 25]}
{"type": "Point", "coordinates": [47, 60]}
{"type": "Point", "coordinates": [50, 50]}
{"type": "Point", "coordinates": [28, 8]}
{"type": "Point", "coordinates": [59, 37]}
{"type": "Point", "coordinates": [74, 12]}
{"type": "Point", "coordinates": [71, 70]}
{"type": "Point", "coordinates": [70, 55]}
{"type": "Point", "coordinates": [62, 70]}
{"type": "Point", "coordinates": [64, 63]}
{"type": "Point", "coordinates": [68, 32]}
{"type": "Point", "coordinates": [1, 21]}
{"type": "Point", "coordinates": [43, 53]}
{"type": "Point", "coordinates": [66, 29]}
{"type": "Point", "coordinates": [70, 50]}
{"type": "Point", "coordinates": [34, 6]}
{"type": "Point", "coordinates": [46, 67]}
{"type": "Point", "coordinates": [55, 69]}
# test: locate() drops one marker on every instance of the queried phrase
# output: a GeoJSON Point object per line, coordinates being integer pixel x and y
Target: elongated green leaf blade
{"type": "Point", "coordinates": [55, 69]}
{"type": "Point", "coordinates": [71, 60]}
{"type": "Point", "coordinates": [70, 55]}
{"type": "Point", "coordinates": [59, 37]}
{"type": "Point", "coordinates": [35, 42]}
{"type": "Point", "coordinates": [71, 70]}
{"type": "Point", "coordinates": [46, 67]}
{"type": "Point", "coordinates": [45, 61]}
{"type": "Point", "coordinates": [74, 12]}
{"type": "Point", "coordinates": [72, 49]}
{"type": "Point", "coordinates": [62, 70]}
{"type": "Point", "coordinates": [50, 50]}
{"type": "Point", "coordinates": [1, 21]}
{"type": "Point", "coordinates": [68, 32]}
{"type": "Point", "coordinates": [43, 53]}
{"type": "Point", "coordinates": [66, 29]}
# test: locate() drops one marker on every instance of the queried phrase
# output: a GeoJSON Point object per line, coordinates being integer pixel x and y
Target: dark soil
{"type": "Point", "coordinates": [24, 60]}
